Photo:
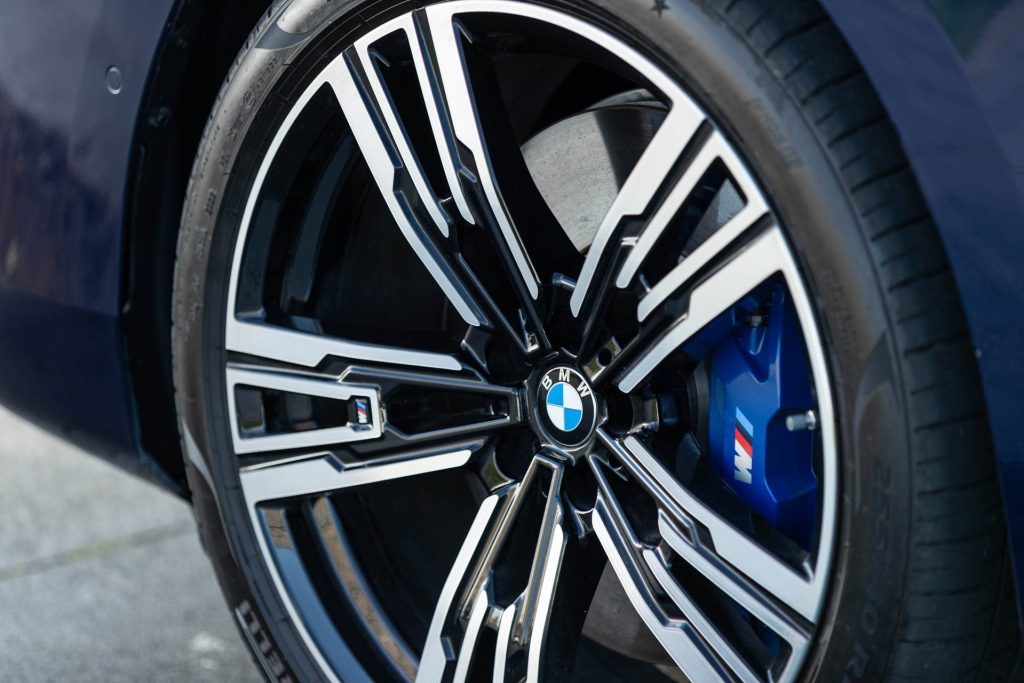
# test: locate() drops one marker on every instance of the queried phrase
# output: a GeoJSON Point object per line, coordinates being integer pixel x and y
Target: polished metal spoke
{"type": "Point", "coordinates": [368, 68]}
{"type": "Point", "coordinates": [715, 148]}
{"type": "Point", "coordinates": [796, 634]}
{"type": "Point", "coordinates": [698, 620]}
{"type": "Point", "coordinates": [675, 633]}
{"type": "Point", "coordinates": [366, 428]}
{"type": "Point", "coordinates": [327, 472]}
{"type": "Point", "coordinates": [455, 105]}
{"type": "Point", "coordinates": [384, 156]}
{"type": "Point", "coordinates": [689, 636]}
{"type": "Point", "coordinates": [434, 42]}
{"type": "Point", "coordinates": [752, 265]}
{"type": "Point", "coordinates": [390, 380]}
{"type": "Point", "coordinates": [285, 360]}
{"type": "Point", "coordinates": [281, 344]}
{"type": "Point", "coordinates": [730, 549]}
{"type": "Point", "coordinates": [436, 657]}
{"type": "Point", "coordinates": [259, 338]}
{"type": "Point", "coordinates": [312, 476]}
{"type": "Point", "coordinates": [468, 604]}
{"type": "Point", "coordinates": [639, 191]}
{"type": "Point", "coordinates": [455, 121]}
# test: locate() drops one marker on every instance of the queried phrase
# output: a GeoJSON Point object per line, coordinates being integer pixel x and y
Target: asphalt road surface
{"type": "Point", "coordinates": [101, 575]}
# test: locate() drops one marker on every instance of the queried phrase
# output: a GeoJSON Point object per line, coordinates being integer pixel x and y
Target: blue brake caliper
{"type": "Point", "coordinates": [758, 378]}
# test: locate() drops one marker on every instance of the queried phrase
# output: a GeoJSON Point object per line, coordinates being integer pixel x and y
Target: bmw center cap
{"type": "Point", "coordinates": [566, 406]}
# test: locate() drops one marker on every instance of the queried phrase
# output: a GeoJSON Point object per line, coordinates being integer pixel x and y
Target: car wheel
{"type": "Point", "coordinates": [579, 340]}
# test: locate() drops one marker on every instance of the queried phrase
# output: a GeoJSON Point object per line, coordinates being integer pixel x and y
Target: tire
{"type": "Point", "coordinates": [918, 584]}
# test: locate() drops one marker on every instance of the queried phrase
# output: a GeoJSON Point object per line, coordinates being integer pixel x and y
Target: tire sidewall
{"type": "Point", "coordinates": [271, 71]}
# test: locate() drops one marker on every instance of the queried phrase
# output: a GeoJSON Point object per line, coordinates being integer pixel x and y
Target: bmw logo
{"type": "Point", "coordinates": [567, 406]}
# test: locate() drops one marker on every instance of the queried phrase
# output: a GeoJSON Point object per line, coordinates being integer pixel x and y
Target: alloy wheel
{"type": "Point", "coordinates": [496, 372]}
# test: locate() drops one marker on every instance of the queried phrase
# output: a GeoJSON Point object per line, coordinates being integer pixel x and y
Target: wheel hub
{"type": "Point", "coordinates": [566, 411]}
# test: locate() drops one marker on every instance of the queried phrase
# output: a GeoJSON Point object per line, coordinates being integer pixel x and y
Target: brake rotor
{"type": "Point", "coordinates": [580, 163]}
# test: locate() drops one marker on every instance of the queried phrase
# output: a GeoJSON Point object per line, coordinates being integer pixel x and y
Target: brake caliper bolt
{"type": "Point", "coordinates": [757, 320]}
{"type": "Point", "coordinates": [802, 421]}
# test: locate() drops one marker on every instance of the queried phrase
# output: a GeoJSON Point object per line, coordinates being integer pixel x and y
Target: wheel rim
{"type": "Point", "coordinates": [313, 413]}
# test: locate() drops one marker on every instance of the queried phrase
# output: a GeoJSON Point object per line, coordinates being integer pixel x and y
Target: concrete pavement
{"type": "Point", "coordinates": [101, 575]}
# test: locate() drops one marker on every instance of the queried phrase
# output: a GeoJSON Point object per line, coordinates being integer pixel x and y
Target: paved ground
{"type": "Point", "coordinates": [101, 575]}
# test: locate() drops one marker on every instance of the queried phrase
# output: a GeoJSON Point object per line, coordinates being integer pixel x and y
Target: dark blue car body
{"type": "Point", "coordinates": [100, 99]}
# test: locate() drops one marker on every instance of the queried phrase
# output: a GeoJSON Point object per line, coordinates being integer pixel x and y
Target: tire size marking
{"type": "Point", "coordinates": [269, 659]}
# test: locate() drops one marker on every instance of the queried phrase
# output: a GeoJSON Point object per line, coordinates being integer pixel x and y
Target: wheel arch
{"type": "Point", "coordinates": [198, 45]}
{"type": "Point", "coordinates": [974, 194]}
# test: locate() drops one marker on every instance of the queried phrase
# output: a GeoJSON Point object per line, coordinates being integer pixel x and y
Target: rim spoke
{"type": "Point", "coordinates": [275, 408]}
{"type": "Point", "coordinates": [715, 148]}
{"type": "Point", "coordinates": [374, 410]}
{"type": "Point", "coordinates": [471, 598]}
{"type": "Point", "coordinates": [751, 266]}
{"type": "Point", "coordinates": [691, 636]}
{"type": "Point", "coordinates": [390, 161]}
{"type": "Point", "coordinates": [358, 395]}
{"type": "Point", "coordinates": [698, 620]}
{"type": "Point", "coordinates": [539, 597]}
{"type": "Point", "coordinates": [457, 108]}
{"type": "Point", "coordinates": [304, 478]}
{"type": "Point", "coordinates": [748, 597]}
{"type": "Point", "coordinates": [730, 552]}
{"type": "Point", "coordinates": [359, 402]}
{"type": "Point", "coordinates": [535, 606]}
{"type": "Point", "coordinates": [675, 634]}
{"type": "Point", "coordinates": [505, 625]}
{"type": "Point", "coordinates": [500, 535]}
{"type": "Point", "coordinates": [368, 71]}
{"type": "Point", "coordinates": [452, 108]}
{"type": "Point", "coordinates": [408, 398]}
{"type": "Point", "coordinates": [303, 348]}
{"type": "Point", "coordinates": [325, 473]}
{"type": "Point", "coordinates": [637, 194]}
{"type": "Point", "coordinates": [434, 660]}
{"type": "Point", "coordinates": [474, 625]}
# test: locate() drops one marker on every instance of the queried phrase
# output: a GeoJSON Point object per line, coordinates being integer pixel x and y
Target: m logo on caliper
{"type": "Point", "coordinates": [743, 440]}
